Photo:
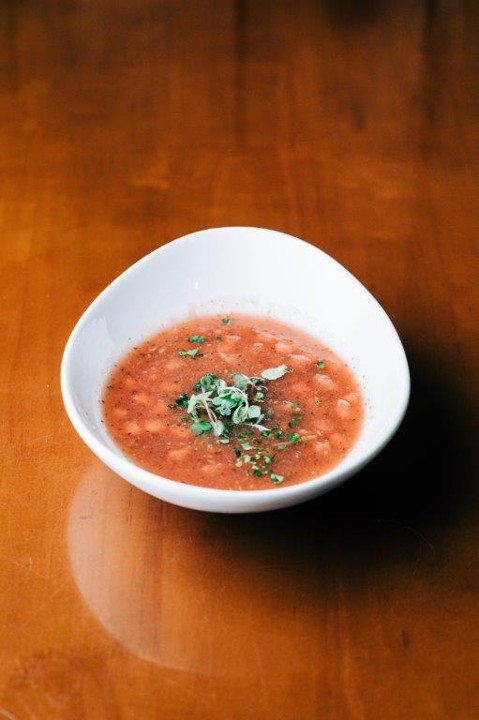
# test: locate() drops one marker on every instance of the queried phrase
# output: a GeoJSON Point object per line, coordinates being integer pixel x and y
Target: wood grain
{"type": "Point", "coordinates": [355, 126]}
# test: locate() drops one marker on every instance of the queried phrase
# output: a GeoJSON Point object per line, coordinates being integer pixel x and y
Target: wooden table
{"type": "Point", "coordinates": [355, 126]}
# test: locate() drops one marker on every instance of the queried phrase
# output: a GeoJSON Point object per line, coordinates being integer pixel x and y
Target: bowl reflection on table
{"type": "Point", "coordinates": [275, 275]}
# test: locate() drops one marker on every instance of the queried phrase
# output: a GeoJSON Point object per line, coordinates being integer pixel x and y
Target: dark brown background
{"type": "Point", "coordinates": [354, 125]}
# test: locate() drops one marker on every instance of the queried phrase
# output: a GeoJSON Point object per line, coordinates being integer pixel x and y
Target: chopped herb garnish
{"type": "Point", "coordinates": [289, 440]}
{"type": "Point", "coordinates": [190, 353]}
{"type": "Point", "coordinates": [227, 321]}
{"type": "Point", "coordinates": [276, 430]}
{"type": "Point", "coordinates": [196, 339]}
{"type": "Point", "coordinates": [320, 364]}
{"type": "Point", "coordinates": [276, 479]}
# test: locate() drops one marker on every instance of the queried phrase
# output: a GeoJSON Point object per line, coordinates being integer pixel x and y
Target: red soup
{"type": "Point", "coordinates": [239, 402]}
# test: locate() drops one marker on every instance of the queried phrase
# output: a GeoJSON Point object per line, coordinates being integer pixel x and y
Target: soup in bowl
{"type": "Point", "coordinates": [235, 370]}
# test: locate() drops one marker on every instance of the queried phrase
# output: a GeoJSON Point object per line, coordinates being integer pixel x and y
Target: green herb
{"type": "Point", "coordinates": [276, 430]}
{"type": "Point", "coordinates": [206, 382]}
{"type": "Point", "coordinates": [190, 353]}
{"type": "Point", "coordinates": [222, 404]}
{"type": "Point", "coordinates": [200, 426]}
{"type": "Point", "coordinates": [181, 401]}
{"type": "Point", "coordinates": [218, 407]}
{"type": "Point", "coordinates": [227, 321]}
{"type": "Point", "coordinates": [196, 339]}
{"type": "Point", "coordinates": [274, 373]}
{"type": "Point", "coordinates": [241, 381]}
{"type": "Point", "coordinates": [289, 440]}
{"type": "Point", "coordinates": [320, 364]}
{"type": "Point", "coordinates": [258, 463]}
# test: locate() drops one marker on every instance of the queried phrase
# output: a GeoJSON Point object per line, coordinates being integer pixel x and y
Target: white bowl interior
{"type": "Point", "coordinates": [227, 270]}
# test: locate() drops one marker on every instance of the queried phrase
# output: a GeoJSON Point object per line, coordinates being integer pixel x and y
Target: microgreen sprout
{"type": "Point", "coordinates": [200, 426]}
{"type": "Point", "coordinates": [224, 404]}
{"type": "Point", "coordinates": [320, 364]}
{"type": "Point", "coordinates": [232, 412]}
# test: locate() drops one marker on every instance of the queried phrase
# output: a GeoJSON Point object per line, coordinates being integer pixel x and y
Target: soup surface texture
{"type": "Point", "coordinates": [238, 402]}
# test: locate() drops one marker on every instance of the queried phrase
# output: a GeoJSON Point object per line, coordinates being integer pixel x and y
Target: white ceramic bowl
{"type": "Point", "coordinates": [221, 271]}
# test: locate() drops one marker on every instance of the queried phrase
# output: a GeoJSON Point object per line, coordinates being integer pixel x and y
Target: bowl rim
{"type": "Point", "coordinates": [183, 494]}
